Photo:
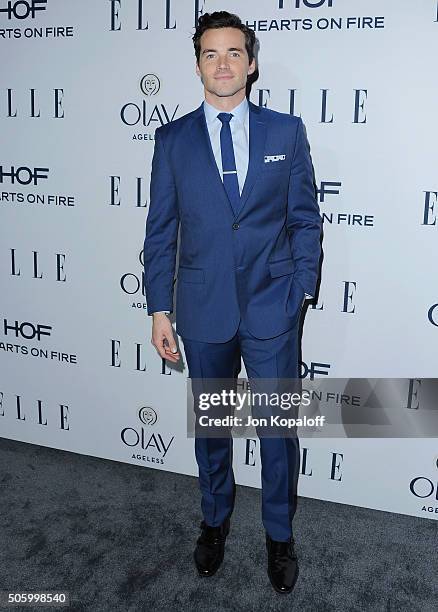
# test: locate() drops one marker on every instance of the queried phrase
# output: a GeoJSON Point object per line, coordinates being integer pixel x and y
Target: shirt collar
{"type": "Point", "coordinates": [239, 112]}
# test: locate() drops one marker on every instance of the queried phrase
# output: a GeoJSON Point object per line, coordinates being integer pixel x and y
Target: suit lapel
{"type": "Point", "coordinates": [204, 151]}
{"type": "Point", "coordinates": [257, 137]}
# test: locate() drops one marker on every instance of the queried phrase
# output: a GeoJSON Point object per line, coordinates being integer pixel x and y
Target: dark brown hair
{"type": "Point", "coordinates": [223, 19]}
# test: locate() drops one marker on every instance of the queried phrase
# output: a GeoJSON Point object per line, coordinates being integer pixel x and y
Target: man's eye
{"type": "Point", "coordinates": [210, 55]}
{"type": "Point", "coordinates": [235, 54]}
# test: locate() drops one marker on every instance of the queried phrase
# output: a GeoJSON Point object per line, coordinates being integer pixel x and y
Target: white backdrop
{"type": "Point", "coordinates": [77, 134]}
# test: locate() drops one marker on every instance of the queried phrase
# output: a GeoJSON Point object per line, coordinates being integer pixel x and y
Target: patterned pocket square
{"type": "Point", "coordinates": [274, 158]}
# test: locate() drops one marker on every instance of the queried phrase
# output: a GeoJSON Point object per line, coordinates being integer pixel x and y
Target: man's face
{"type": "Point", "coordinates": [223, 62]}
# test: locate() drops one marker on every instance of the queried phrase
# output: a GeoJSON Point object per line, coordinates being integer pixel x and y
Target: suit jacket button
{"type": "Point", "coordinates": [236, 226]}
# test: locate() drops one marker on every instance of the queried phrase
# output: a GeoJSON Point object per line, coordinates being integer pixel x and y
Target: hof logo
{"type": "Point", "coordinates": [22, 9]}
{"type": "Point", "coordinates": [423, 487]}
{"type": "Point", "coordinates": [37, 330]}
{"type": "Point", "coordinates": [147, 415]}
{"type": "Point", "coordinates": [26, 330]}
{"type": "Point", "coordinates": [305, 21]}
{"type": "Point", "coordinates": [23, 175]}
{"type": "Point", "coordinates": [314, 368]}
{"type": "Point", "coordinates": [306, 3]}
{"type": "Point", "coordinates": [150, 84]}
{"type": "Point", "coordinates": [332, 188]}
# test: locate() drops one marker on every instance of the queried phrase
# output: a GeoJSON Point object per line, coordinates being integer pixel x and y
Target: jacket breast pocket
{"type": "Point", "coordinates": [281, 267]}
{"type": "Point", "coordinates": [277, 166]}
{"type": "Point", "coordinates": [191, 275]}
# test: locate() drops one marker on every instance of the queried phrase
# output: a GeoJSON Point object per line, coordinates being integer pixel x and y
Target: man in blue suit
{"type": "Point", "coordinates": [237, 181]}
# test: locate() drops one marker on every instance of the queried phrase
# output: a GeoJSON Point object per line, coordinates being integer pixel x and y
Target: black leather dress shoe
{"type": "Point", "coordinates": [282, 564]}
{"type": "Point", "coordinates": [210, 546]}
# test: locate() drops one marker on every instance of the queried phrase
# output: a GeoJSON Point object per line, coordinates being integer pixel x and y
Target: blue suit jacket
{"type": "Point", "coordinates": [256, 265]}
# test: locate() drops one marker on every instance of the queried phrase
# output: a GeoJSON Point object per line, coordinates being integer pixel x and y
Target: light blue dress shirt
{"type": "Point", "coordinates": [239, 126]}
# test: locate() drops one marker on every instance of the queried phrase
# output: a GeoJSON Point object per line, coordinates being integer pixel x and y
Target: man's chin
{"type": "Point", "coordinates": [225, 93]}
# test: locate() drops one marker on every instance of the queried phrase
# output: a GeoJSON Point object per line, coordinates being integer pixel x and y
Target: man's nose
{"type": "Point", "coordinates": [222, 62]}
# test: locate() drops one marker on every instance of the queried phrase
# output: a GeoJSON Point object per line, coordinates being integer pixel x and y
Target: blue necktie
{"type": "Point", "coordinates": [229, 172]}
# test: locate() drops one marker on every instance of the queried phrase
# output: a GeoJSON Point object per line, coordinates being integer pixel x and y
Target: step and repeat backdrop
{"type": "Point", "coordinates": [83, 87]}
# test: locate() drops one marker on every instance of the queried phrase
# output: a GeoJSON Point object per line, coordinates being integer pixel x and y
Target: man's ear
{"type": "Point", "coordinates": [252, 66]}
{"type": "Point", "coordinates": [198, 72]}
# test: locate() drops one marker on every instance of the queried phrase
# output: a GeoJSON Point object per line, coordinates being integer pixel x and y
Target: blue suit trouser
{"type": "Point", "coordinates": [280, 456]}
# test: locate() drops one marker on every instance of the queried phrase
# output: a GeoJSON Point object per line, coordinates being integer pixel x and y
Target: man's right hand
{"type": "Point", "coordinates": [163, 338]}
